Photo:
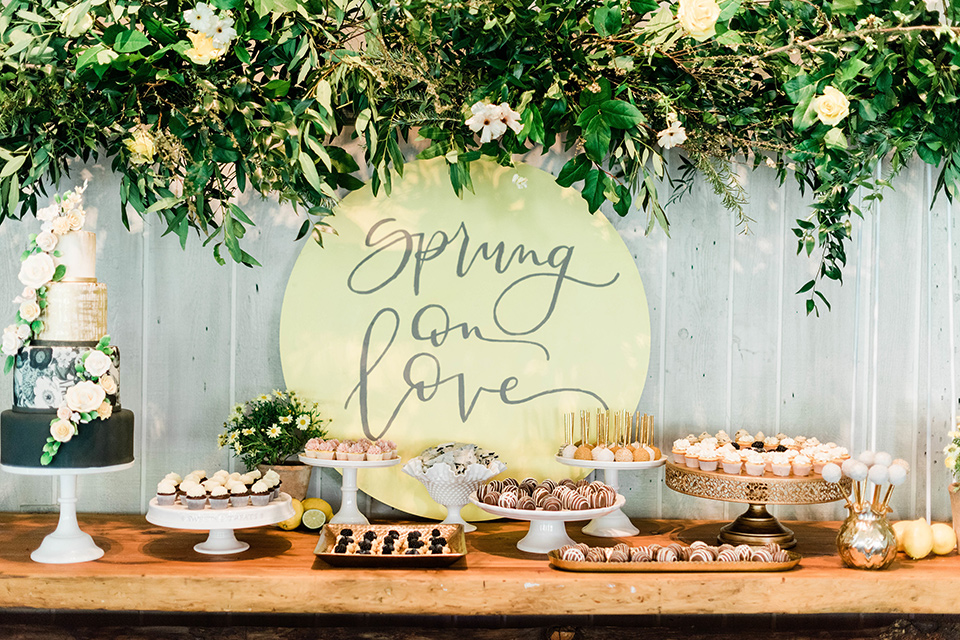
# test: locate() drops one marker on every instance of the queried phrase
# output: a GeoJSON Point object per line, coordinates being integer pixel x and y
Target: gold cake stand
{"type": "Point", "coordinates": [755, 526]}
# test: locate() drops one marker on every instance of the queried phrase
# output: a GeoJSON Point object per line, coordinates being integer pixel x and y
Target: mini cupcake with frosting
{"type": "Point", "coordinates": [219, 497]}
{"type": "Point", "coordinates": [166, 492]}
{"type": "Point", "coordinates": [260, 494]}
{"type": "Point", "coordinates": [196, 497]}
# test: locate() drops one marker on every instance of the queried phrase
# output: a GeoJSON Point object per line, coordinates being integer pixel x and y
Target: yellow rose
{"type": "Point", "coordinates": [699, 17]}
{"type": "Point", "coordinates": [108, 383]}
{"type": "Point", "coordinates": [76, 220]}
{"type": "Point", "coordinates": [105, 410]}
{"type": "Point", "coordinates": [203, 50]}
{"type": "Point", "coordinates": [832, 106]}
{"type": "Point", "coordinates": [61, 430]}
{"type": "Point", "coordinates": [141, 145]}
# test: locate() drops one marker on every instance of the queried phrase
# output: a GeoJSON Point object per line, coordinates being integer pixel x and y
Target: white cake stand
{"type": "Point", "coordinates": [220, 522]}
{"type": "Point", "coordinates": [547, 531]}
{"type": "Point", "coordinates": [615, 524]}
{"type": "Point", "coordinates": [67, 544]}
{"type": "Point", "coordinates": [349, 513]}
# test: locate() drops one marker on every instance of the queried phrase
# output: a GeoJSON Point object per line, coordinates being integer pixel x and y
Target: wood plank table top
{"type": "Point", "coordinates": [151, 568]}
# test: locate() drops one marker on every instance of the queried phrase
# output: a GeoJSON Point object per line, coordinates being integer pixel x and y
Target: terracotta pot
{"type": "Point", "coordinates": [955, 505]}
{"type": "Point", "coordinates": [294, 478]}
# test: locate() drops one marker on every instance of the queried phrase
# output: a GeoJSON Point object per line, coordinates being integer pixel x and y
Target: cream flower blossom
{"type": "Point", "coordinates": [141, 145]}
{"type": "Point", "coordinates": [23, 331]}
{"type": "Point", "coordinates": [64, 412]}
{"type": "Point", "coordinates": [85, 396]}
{"type": "Point", "coordinates": [832, 106]}
{"type": "Point", "coordinates": [672, 136]}
{"type": "Point", "coordinates": [47, 241]}
{"type": "Point", "coordinates": [105, 410]}
{"type": "Point", "coordinates": [204, 50]}
{"type": "Point", "coordinates": [222, 32]}
{"type": "Point", "coordinates": [487, 120]}
{"type": "Point", "coordinates": [29, 293]}
{"type": "Point", "coordinates": [11, 341]}
{"type": "Point", "coordinates": [48, 213]}
{"type": "Point", "coordinates": [61, 430]}
{"type": "Point", "coordinates": [60, 225]}
{"type": "Point", "coordinates": [109, 384]}
{"type": "Point", "coordinates": [96, 363]}
{"type": "Point", "coordinates": [29, 310]}
{"type": "Point", "coordinates": [76, 219]}
{"type": "Point", "coordinates": [699, 17]}
{"type": "Point", "coordinates": [37, 270]}
{"type": "Point", "coordinates": [510, 118]}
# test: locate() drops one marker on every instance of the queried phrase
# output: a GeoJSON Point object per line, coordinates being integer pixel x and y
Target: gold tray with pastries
{"type": "Point", "coordinates": [456, 541]}
{"type": "Point", "coordinates": [680, 566]}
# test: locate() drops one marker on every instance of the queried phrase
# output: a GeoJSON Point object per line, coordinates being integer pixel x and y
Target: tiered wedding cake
{"type": "Point", "coordinates": [66, 411]}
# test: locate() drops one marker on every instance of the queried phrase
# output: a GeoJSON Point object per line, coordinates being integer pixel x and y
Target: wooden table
{"type": "Point", "coordinates": [147, 567]}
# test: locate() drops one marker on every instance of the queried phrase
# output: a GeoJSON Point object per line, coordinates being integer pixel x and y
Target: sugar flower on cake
{"type": "Point", "coordinates": [11, 341]}
{"type": "Point", "coordinates": [85, 396]}
{"type": "Point", "coordinates": [105, 410]}
{"type": "Point", "coordinates": [96, 363]}
{"type": "Point", "coordinates": [62, 430]}
{"type": "Point", "coordinates": [37, 270]}
{"type": "Point", "coordinates": [47, 241]}
{"type": "Point", "coordinates": [108, 383]}
{"type": "Point", "coordinates": [672, 136]}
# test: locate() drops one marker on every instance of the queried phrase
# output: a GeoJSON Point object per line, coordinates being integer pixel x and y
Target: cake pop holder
{"type": "Point", "coordinates": [220, 523]}
{"type": "Point", "coordinates": [615, 524]}
{"type": "Point", "coordinates": [349, 512]}
{"type": "Point", "coordinates": [547, 528]}
{"type": "Point", "coordinates": [67, 544]}
{"type": "Point", "coordinates": [755, 526]}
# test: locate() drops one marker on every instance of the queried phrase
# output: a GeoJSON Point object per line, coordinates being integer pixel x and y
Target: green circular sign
{"type": "Point", "coordinates": [432, 319]}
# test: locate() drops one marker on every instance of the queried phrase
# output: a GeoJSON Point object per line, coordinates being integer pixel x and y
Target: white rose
{"type": "Point", "coordinates": [109, 384]}
{"type": "Point", "coordinates": [47, 241]}
{"type": "Point", "coordinates": [29, 310]}
{"type": "Point", "coordinates": [832, 106]}
{"type": "Point", "coordinates": [61, 430]}
{"type": "Point", "coordinates": [96, 363]}
{"type": "Point", "coordinates": [105, 410]}
{"type": "Point", "coordinates": [76, 220]}
{"type": "Point", "coordinates": [28, 294]}
{"type": "Point", "coordinates": [64, 412]}
{"type": "Point", "coordinates": [48, 213]}
{"type": "Point", "coordinates": [60, 226]}
{"type": "Point", "coordinates": [85, 396]}
{"type": "Point", "coordinates": [37, 270]}
{"type": "Point", "coordinates": [23, 331]}
{"type": "Point", "coordinates": [11, 343]}
{"type": "Point", "coordinates": [699, 17]}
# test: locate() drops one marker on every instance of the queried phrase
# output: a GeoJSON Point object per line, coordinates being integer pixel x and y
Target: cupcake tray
{"type": "Point", "coordinates": [674, 567]}
{"type": "Point", "coordinates": [452, 532]}
{"type": "Point", "coordinates": [220, 522]}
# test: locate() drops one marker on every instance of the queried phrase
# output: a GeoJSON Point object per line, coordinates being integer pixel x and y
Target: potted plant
{"type": "Point", "coordinates": [952, 460]}
{"type": "Point", "coordinates": [268, 430]}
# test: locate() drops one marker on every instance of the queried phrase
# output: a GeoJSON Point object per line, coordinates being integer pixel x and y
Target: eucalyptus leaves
{"type": "Point", "coordinates": [835, 94]}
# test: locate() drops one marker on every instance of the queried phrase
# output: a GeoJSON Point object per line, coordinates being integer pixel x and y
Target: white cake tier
{"type": "Point", "coordinates": [76, 312]}
{"type": "Point", "coordinates": [78, 253]}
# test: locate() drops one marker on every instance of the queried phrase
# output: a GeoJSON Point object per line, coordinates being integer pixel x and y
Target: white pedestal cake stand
{"type": "Point", "coordinates": [349, 513]}
{"type": "Point", "coordinates": [547, 530]}
{"type": "Point", "coordinates": [67, 544]}
{"type": "Point", "coordinates": [615, 524]}
{"type": "Point", "coordinates": [220, 522]}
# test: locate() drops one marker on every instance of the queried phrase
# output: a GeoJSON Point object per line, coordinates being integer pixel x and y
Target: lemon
{"type": "Point", "coordinates": [314, 518]}
{"type": "Point", "coordinates": [900, 529]}
{"type": "Point", "coordinates": [317, 503]}
{"type": "Point", "coordinates": [944, 538]}
{"type": "Point", "coordinates": [918, 539]}
{"type": "Point", "coordinates": [293, 522]}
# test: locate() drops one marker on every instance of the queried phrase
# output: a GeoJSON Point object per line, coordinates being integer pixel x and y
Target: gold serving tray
{"type": "Point", "coordinates": [452, 532]}
{"type": "Point", "coordinates": [675, 567]}
{"type": "Point", "coordinates": [765, 489]}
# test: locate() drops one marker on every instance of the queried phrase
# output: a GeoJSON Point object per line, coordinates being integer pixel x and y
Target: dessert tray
{"type": "Point", "coordinates": [452, 532]}
{"type": "Point", "coordinates": [547, 531]}
{"type": "Point", "coordinates": [349, 513]}
{"type": "Point", "coordinates": [220, 522]}
{"type": "Point", "coordinates": [756, 526]}
{"type": "Point", "coordinates": [676, 567]}
{"type": "Point", "coordinates": [615, 524]}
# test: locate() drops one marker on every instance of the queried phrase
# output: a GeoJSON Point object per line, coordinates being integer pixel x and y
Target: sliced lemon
{"type": "Point", "coordinates": [317, 503]}
{"type": "Point", "coordinates": [314, 518]}
{"type": "Point", "coordinates": [293, 522]}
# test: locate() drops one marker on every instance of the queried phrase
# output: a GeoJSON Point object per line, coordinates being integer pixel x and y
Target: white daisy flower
{"type": "Point", "coordinates": [274, 431]}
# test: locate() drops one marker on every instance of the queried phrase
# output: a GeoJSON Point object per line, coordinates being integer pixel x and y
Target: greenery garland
{"type": "Point", "coordinates": [196, 102]}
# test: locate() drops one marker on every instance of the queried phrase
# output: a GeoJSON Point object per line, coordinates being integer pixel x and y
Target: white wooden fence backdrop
{"type": "Point", "coordinates": [732, 345]}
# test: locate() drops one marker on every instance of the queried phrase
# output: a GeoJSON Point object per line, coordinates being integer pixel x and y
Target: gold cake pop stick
{"type": "Point", "coordinates": [884, 506]}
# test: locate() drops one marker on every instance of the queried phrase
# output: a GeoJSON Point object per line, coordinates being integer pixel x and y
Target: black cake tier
{"type": "Point", "coordinates": [100, 443]}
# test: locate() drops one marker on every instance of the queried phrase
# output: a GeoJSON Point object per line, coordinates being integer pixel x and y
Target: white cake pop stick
{"type": "Point", "coordinates": [832, 473]}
